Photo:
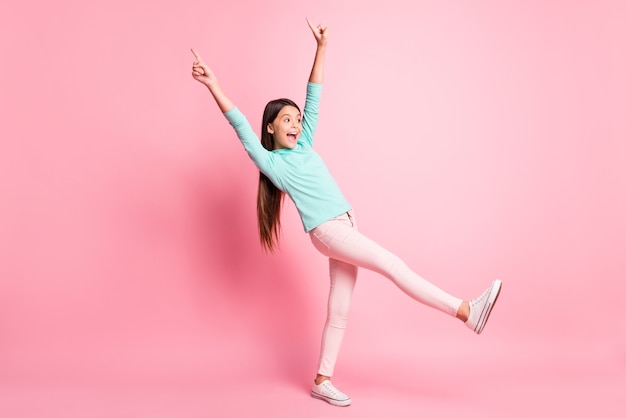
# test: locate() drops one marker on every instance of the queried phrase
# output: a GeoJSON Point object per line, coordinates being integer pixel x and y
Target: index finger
{"type": "Point", "coordinates": [310, 24]}
{"type": "Point", "coordinates": [195, 54]}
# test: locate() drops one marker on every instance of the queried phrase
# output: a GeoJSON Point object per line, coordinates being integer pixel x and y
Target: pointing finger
{"type": "Point", "coordinates": [310, 24]}
{"type": "Point", "coordinates": [195, 54]}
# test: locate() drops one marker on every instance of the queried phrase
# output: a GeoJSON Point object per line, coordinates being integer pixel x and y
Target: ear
{"type": "Point", "coordinates": [270, 129]}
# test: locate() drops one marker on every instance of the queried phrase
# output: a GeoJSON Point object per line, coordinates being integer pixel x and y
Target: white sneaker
{"type": "Point", "coordinates": [327, 392]}
{"type": "Point", "coordinates": [481, 307]}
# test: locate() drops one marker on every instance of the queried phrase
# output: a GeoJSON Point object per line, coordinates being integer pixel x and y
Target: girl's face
{"type": "Point", "coordinates": [286, 127]}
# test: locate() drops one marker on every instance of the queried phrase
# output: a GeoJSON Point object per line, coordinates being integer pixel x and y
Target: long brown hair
{"type": "Point", "coordinates": [269, 197]}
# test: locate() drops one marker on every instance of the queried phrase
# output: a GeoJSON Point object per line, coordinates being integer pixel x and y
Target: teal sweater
{"type": "Point", "coordinates": [300, 172]}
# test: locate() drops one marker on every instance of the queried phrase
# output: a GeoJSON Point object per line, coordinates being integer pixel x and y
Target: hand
{"type": "Point", "coordinates": [320, 32]}
{"type": "Point", "coordinates": [201, 72]}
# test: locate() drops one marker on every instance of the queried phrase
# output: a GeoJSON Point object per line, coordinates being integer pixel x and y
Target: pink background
{"type": "Point", "coordinates": [475, 139]}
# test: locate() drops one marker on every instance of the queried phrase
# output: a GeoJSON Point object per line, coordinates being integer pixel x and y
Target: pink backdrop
{"type": "Point", "coordinates": [475, 139]}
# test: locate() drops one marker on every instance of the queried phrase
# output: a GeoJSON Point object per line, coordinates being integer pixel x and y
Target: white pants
{"type": "Point", "coordinates": [347, 249]}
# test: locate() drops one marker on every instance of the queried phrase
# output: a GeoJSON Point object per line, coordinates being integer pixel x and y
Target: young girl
{"type": "Point", "coordinates": [288, 164]}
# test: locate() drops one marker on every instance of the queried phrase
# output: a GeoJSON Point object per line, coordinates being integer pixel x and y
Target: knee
{"type": "Point", "coordinates": [337, 322]}
{"type": "Point", "coordinates": [338, 315]}
{"type": "Point", "coordinates": [393, 266]}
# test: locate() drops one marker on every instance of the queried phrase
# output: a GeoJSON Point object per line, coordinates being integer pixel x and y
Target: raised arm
{"type": "Point", "coordinates": [201, 72]}
{"type": "Point", "coordinates": [317, 72]}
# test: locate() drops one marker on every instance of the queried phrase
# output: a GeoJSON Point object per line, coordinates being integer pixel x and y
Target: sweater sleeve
{"type": "Point", "coordinates": [311, 111]}
{"type": "Point", "coordinates": [261, 157]}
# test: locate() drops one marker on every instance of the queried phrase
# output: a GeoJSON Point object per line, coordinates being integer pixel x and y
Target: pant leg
{"type": "Point", "coordinates": [339, 240]}
{"type": "Point", "coordinates": [342, 280]}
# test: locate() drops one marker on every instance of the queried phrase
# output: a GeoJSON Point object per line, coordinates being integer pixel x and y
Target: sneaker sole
{"type": "Point", "coordinates": [331, 401]}
{"type": "Point", "coordinates": [494, 292]}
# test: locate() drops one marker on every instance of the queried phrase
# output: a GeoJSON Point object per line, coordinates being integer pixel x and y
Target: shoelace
{"type": "Point", "coordinates": [329, 387]}
{"type": "Point", "coordinates": [476, 301]}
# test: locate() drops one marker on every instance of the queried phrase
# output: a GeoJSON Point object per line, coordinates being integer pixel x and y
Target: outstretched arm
{"type": "Point", "coordinates": [259, 155]}
{"type": "Point", "coordinates": [317, 72]}
{"type": "Point", "coordinates": [201, 72]}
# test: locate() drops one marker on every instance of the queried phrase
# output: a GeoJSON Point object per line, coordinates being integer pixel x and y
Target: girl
{"type": "Point", "coordinates": [288, 164]}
